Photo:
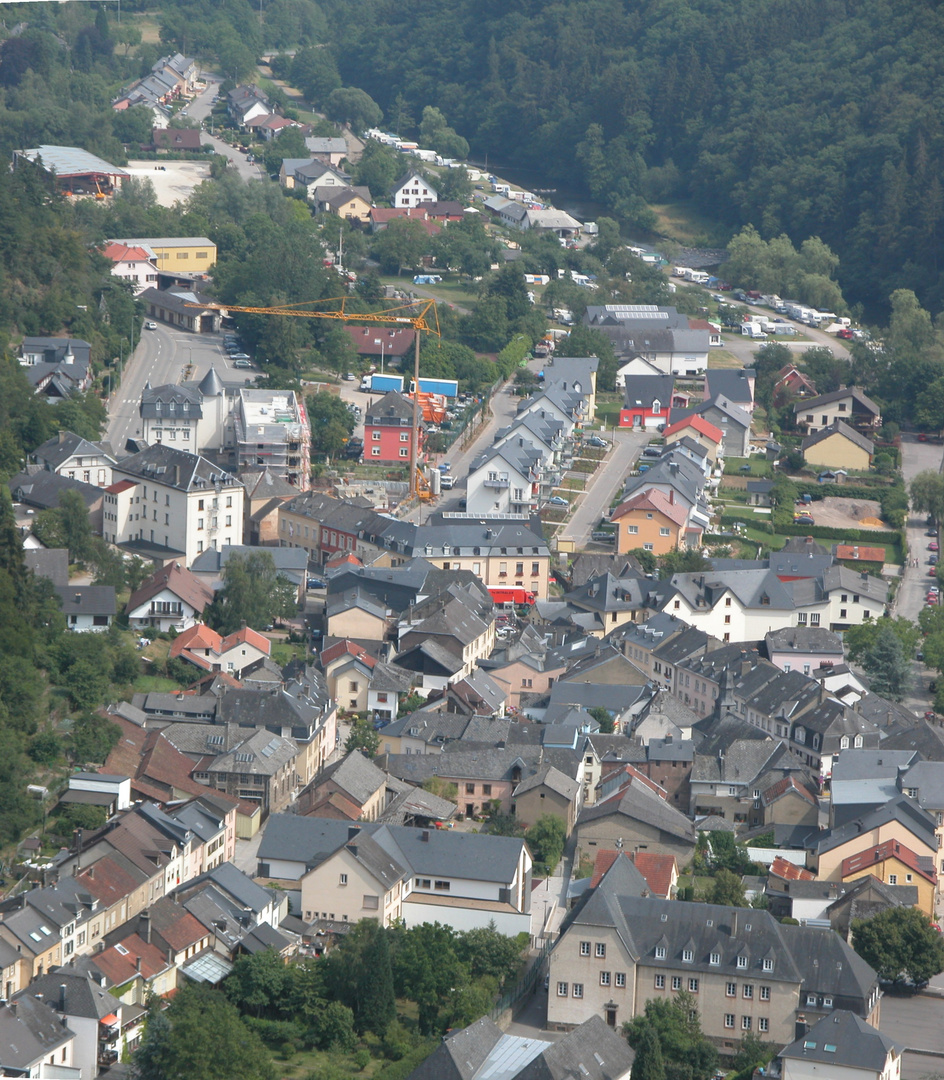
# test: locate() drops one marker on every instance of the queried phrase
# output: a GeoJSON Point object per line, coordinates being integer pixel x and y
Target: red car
{"type": "Point", "coordinates": [932, 599]}
{"type": "Point", "coordinates": [933, 546]}
{"type": "Point", "coordinates": [922, 437]}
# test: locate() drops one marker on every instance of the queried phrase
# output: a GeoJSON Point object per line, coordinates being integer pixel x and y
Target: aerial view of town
{"type": "Point", "coordinates": [470, 492]}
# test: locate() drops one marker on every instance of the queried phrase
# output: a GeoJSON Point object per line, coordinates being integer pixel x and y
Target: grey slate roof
{"type": "Point", "coordinates": [845, 1041]}
{"type": "Point", "coordinates": [29, 1031]}
{"type": "Point", "coordinates": [53, 452]}
{"type": "Point", "coordinates": [592, 1051]}
{"type": "Point", "coordinates": [87, 599]}
{"type": "Point", "coordinates": [355, 775]}
{"type": "Point", "coordinates": [729, 383]}
{"type": "Point", "coordinates": [475, 856]}
{"type": "Point", "coordinates": [81, 996]}
{"type": "Point", "coordinates": [461, 1054]}
{"type": "Point", "coordinates": [837, 427]}
{"type": "Point", "coordinates": [551, 778]}
{"type": "Point", "coordinates": [52, 563]}
{"type": "Point", "coordinates": [920, 823]}
{"type": "Point", "coordinates": [167, 394]}
{"type": "Point", "coordinates": [166, 465]}
{"type": "Point", "coordinates": [640, 803]}
{"type": "Point", "coordinates": [42, 490]}
{"type": "Point", "coordinates": [815, 640]}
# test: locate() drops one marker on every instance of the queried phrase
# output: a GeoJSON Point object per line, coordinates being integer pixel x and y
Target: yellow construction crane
{"type": "Point", "coordinates": [412, 314]}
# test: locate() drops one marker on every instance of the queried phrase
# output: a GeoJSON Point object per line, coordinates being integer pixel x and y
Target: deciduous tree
{"type": "Point", "coordinates": [900, 943]}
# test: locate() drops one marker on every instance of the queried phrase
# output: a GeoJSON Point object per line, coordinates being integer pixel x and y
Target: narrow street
{"type": "Point", "coordinates": [917, 457]}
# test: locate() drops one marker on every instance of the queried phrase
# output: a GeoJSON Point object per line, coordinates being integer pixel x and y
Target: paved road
{"type": "Point", "coordinates": [604, 484]}
{"type": "Point", "coordinates": [199, 109]}
{"type": "Point", "coordinates": [917, 457]}
{"type": "Point", "coordinates": [165, 355]}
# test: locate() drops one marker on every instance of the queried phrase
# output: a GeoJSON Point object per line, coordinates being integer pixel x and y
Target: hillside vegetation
{"type": "Point", "coordinates": [810, 117]}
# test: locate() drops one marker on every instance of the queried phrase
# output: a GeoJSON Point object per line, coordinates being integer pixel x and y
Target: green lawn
{"type": "Point", "coordinates": [760, 467]}
{"type": "Point", "coordinates": [157, 684]}
{"type": "Point", "coordinates": [449, 291]}
{"type": "Point", "coordinates": [608, 408]}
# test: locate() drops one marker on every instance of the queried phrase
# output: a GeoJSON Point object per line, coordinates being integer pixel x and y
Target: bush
{"type": "Point", "coordinates": [362, 1059]}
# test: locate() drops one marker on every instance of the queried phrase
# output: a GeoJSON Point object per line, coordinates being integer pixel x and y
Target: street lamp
{"type": "Point", "coordinates": [380, 341]}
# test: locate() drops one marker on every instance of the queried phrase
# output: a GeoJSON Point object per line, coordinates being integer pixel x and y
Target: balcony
{"type": "Point", "coordinates": [497, 483]}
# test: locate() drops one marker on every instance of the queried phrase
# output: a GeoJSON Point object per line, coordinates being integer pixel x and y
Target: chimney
{"type": "Point", "coordinates": [62, 437]}
{"type": "Point", "coordinates": [137, 963]}
{"type": "Point", "coordinates": [671, 496]}
{"type": "Point", "coordinates": [424, 836]}
{"type": "Point", "coordinates": [62, 997]}
{"type": "Point", "coordinates": [801, 1027]}
{"type": "Point", "coordinates": [144, 927]}
{"type": "Point", "coordinates": [352, 831]}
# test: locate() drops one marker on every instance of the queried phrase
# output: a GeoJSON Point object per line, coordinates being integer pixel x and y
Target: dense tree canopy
{"type": "Point", "coordinates": [900, 943]}
{"type": "Point", "coordinates": [821, 122]}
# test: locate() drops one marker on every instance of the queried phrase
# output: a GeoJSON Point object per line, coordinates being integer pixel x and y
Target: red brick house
{"type": "Point", "coordinates": [387, 426]}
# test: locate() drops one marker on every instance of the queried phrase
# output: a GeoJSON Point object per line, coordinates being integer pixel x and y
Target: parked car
{"type": "Point", "coordinates": [932, 560]}
{"type": "Point", "coordinates": [242, 362]}
{"type": "Point", "coordinates": [803, 519]}
{"type": "Point", "coordinates": [558, 500]}
{"type": "Point", "coordinates": [931, 532]}
{"type": "Point", "coordinates": [316, 583]}
{"type": "Point", "coordinates": [596, 441]}
{"type": "Point", "coordinates": [652, 451]}
{"type": "Point", "coordinates": [349, 376]}
{"type": "Point", "coordinates": [447, 482]}
{"type": "Point", "coordinates": [934, 546]}
{"type": "Point", "coordinates": [445, 467]}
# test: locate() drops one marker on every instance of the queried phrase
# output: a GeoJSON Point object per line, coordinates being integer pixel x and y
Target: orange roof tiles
{"type": "Point", "coordinates": [789, 871]}
{"type": "Point", "coordinates": [660, 871]}
{"type": "Point", "coordinates": [857, 551]}
{"type": "Point", "coordinates": [139, 958]}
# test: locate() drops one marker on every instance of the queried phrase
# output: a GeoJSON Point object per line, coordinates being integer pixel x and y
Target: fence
{"type": "Point", "coordinates": [525, 985]}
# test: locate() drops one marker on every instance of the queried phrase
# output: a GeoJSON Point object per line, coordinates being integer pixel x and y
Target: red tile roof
{"type": "Point", "coordinates": [139, 958]}
{"type": "Point", "coordinates": [789, 871]}
{"type": "Point", "coordinates": [202, 637]}
{"type": "Point", "coordinates": [124, 253]}
{"type": "Point", "coordinates": [655, 501]}
{"type": "Point", "coordinates": [700, 424]}
{"type": "Point", "coordinates": [121, 485]}
{"type": "Point", "coordinates": [380, 341]}
{"type": "Point", "coordinates": [107, 881]}
{"type": "Point", "coordinates": [660, 871]}
{"type": "Point", "coordinates": [347, 559]}
{"type": "Point", "coordinates": [178, 580]}
{"type": "Point", "coordinates": [339, 648]}
{"type": "Point", "coordinates": [891, 849]}
{"type": "Point", "coordinates": [857, 551]}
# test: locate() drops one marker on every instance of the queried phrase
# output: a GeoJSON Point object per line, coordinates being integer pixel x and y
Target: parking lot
{"type": "Point", "coordinates": [174, 181]}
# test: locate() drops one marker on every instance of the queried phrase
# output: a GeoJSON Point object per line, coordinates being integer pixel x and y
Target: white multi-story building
{"type": "Point", "coordinates": [270, 428]}
{"type": "Point", "coordinates": [170, 502]}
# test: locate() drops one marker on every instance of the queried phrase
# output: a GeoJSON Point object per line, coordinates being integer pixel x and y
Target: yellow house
{"type": "Point", "coordinates": [347, 202]}
{"type": "Point", "coordinates": [895, 864]}
{"type": "Point", "coordinates": [827, 855]}
{"type": "Point", "coordinates": [178, 254]}
{"type": "Point", "coordinates": [839, 447]}
{"type": "Point", "coordinates": [650, 520]}
{"type": "Point", "coordinates": [352, 615]}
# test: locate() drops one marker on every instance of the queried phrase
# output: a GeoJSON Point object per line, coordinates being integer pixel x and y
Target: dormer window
{"type": "Point", "coordinates": [656, 407]}
{"type": "Point", "coordinates": [742, 962]}
{"type": "Point", "coordinates": [660, 952]}
{"type": "Point", "coordinates": [858, 741]}
{"type": "Point", "coordinates": [687, 956]}
{"type": "Point", "coordinates": [768, 965]}
{"type": "Point", "coordinates": [715, 958]}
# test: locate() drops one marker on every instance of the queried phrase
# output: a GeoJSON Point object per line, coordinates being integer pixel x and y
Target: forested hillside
{"type": "Point", "coordinates": [814, 117]}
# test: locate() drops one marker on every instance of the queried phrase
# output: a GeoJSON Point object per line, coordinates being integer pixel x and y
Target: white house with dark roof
{"type": "Point", "coordinates": [87, 608]}
{"type": "Point", "coordinates": [35, 1043]}
{"type": "Point", "coordinates": [169, 502]}
{"type": "Point", "coordinates": [68, 454]}
{"type": "Point", "coordinates": [348, 872]}
{"type": "Point", "coordinates": [841, 1045]}
{"type": "Point", "coordinates": [503, 479]}
{"type": "Point", "coordinates": [411, 190]}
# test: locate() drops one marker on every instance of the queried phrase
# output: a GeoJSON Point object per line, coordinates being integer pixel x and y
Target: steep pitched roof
{"type": "Point", "coordinates": [178, 580]}
{"type": "Point", "coordinates": [838, 427]}
{"type": "Point", "coordinates": [652, 500]}
{"type": "Point", "coordinates": [891, 849]}
{"type": "Point", "coordinates": [844, 1041]}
